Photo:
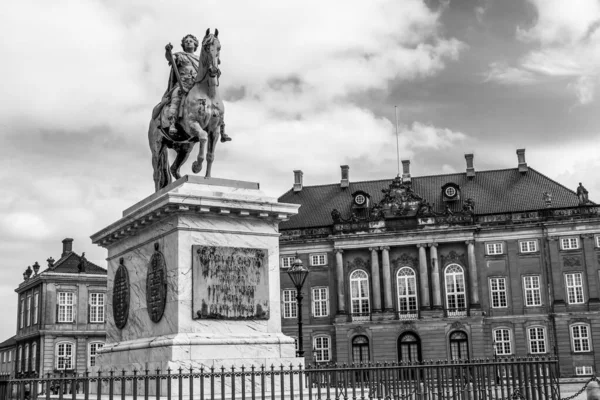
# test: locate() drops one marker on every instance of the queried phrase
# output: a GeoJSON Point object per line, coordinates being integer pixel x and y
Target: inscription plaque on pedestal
{"type": "Point", "coordinates": [230, 283]}
{"type": "Point", "coordinates": [156, 285]}
{"type": "Point", "coordinates": [120, 301]}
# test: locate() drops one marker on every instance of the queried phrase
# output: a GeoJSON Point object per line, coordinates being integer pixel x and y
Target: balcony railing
{"type": "Point", "coordinates": [456, 312]}
{"type": "Point", "coordinates": [407, 315]}
{"type": "Point", "coordinates": [360, 317]}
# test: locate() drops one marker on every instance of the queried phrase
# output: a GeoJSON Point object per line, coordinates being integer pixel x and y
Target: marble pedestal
{"type": "Point", "coordinates": [178, 222]}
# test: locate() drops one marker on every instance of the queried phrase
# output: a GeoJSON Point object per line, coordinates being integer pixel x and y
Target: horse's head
{"type": "Point", "coordinates": [210, 54]}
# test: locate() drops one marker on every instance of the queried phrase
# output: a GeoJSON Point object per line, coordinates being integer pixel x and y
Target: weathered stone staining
{"type": "Point", "coordinates": [156, 285]}
{"type": "Point", "coordinates": [230, 283]}
{"type": "Point", "coordinates": [121, 296]}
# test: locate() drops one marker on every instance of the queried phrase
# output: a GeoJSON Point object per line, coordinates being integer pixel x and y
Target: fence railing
{"type": "Point", "coordinates": [524, 378]}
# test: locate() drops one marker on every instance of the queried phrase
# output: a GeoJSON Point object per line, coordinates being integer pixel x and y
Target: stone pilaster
{"type": "Point", "coordinates": [436, 287]}
{"type": "Point", "coordinates": [424, 276]}
{"type": "Point", "coordinates": [339, 274]}
{"type": "Point", "coordinates": [376, 279]}
{"type": "Point", "coordinates": [387, 279]}
{"type": "Point", "coordinates": [474, 282]}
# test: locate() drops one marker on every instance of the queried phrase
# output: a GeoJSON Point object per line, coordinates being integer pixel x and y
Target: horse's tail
{"type": "Point", "coordinates": [160, 157]}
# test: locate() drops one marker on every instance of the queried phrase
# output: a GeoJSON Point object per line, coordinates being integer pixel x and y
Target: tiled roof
{"type": "Point", "coordinates": [8, 342]}
{"type": "Point", "coordinates": [69, 264]}
{"type": "Point", "coordinates": [496, 191]}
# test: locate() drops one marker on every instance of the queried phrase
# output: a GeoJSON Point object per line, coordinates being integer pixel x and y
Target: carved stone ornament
{"type": "Point", "coordinates": [405, 260]}
{"type": "Point", "coordinates": [453, 257]}
{"type": "Point", "coordinates": [456, 325]}
{"type": "Point", "coordinates": [358, 262]}
{"type": "Point", "coordinates": [408, 326]}
{"type": "Point", "coordinates": [156, 285]}
{"type": "Point", "coordinates": [121, 295]}
{"type": "Point", "coordinates": [572, 261]}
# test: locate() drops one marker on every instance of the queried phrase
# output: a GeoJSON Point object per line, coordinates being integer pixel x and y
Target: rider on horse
{"type": "Point", "coordinates": [186, 63]}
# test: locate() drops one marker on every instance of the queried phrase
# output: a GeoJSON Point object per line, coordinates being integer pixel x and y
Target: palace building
{"type": "Point", "coordinates": [478, 264]}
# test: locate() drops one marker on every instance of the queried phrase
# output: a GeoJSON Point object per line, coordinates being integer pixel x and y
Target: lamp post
{"type": "Point", "coordinates": [298, 274]}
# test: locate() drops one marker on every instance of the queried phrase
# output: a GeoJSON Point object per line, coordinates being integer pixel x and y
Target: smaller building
{"type": "Point", "coordinates": [7, 356]}
{"type": "Point", "coordinates": [61, 316]}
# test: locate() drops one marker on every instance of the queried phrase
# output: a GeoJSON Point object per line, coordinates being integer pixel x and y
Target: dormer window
{"type": "Point", "coordinates": [450, 192]}
{"type": "Point", "coordinates": [360, 199]}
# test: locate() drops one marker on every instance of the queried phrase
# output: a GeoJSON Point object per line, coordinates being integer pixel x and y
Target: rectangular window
{"type": "Point", "coordinates": [537, 340]}
{"type": "Point", "coordinates": [528, 246]}
{"type": "Point", "coordinates": [65, 306]}
{"type": "Point", "coordinates": [34, 366]}
{"type": "Point", "coordinates": [569, 243]}
{"type": "Point", "coordinates": [22, 316]}
{"type": "Point", "coordinates": [502, 341]}
{"type": "Point", "coordinates": [322, 348]}
{"type": "Point", "coordinates": [494, 248]}
{"type": "Point", "coordinates": [533, 296]}
{"type": "Point", "coordinates": [94, 347]}
{"type": "Point", "coordinates": [585, 370]}
{"type": "Point", "coordinates": [289, 303]}
{"type": "Point", "coordinates": [597, 239]}
{"type": "Point", "coordinates": [26, 358]}
{"type": "Point", "coordinates": [96, 307]}
{"type": "Point", "coordinates": [320, 302]}
{"type": "Point", "coordinates": [580, 336]}
{"type": "Point", "coordinates": [287, 261]}
{"type": "Point", "coordinates": [574, 285]}
{"type": "Point", "coordinates": [36, 306]}
{"type": "Point", "coordinates": [29, 309]}
{"type": "Point", "coordinates": [19, 360]}
{"type": "Point", "coordinates": [10, 356]}
{"type": "Point", "coordinates": [64, 356]}
{"type": "Point", "coordinates": [498, 292]}
{"type": "Point", "coordinates": [318, 259]}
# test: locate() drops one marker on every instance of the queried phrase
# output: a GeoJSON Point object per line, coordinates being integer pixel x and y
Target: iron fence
{"type": "Point", "coordinates": [523, 378]}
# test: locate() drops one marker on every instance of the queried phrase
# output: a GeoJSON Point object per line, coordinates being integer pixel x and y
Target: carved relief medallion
{"type": "Point", "coordinates": [120, 299]}
{"type": "Point", "coordinates": [156, 285]}
{"type": "Point", "coordinates": [573, 261]}
{"type": "Point", "coordinates": [230, 283]}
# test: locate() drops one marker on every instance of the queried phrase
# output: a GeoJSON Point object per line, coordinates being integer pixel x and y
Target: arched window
{"type": "Point", "coordinates": [459, 346]}
{"type": "Point", "coordinates": [65, 351]}
{"type": "Point", "coordinates": [406, 282]}
{"type": "Point", "coordinates": [34, 366]}
{"type": "Point", "coordinates": [409, 348]}
{"type": "Point", "coordinates": [359, 293]}
{"type": "Point", "coordinates": [26, 358]}
{"type": "Point", "coordinates": [456, 299]}
{"type": "Point", "coordinates": [360, 349]}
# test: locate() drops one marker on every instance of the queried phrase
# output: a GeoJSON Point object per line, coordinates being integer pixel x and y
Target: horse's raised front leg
{"type": "Point", "coordinates": [183, 151]}
{"type": "Point", "coordinates": [198, 132]}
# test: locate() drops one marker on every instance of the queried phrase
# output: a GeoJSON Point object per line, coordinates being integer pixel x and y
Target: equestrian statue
{"type": "Point", "coordinates": [191, 110]}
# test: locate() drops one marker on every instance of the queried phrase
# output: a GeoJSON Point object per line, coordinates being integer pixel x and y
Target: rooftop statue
{"type": "Point", "coordinates": [191, 110]}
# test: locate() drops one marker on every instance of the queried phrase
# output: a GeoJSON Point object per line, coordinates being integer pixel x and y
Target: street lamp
{"type": "Point", "coordinates": [298, 275]}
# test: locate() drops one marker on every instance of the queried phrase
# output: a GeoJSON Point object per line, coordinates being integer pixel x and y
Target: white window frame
{"type": "Point", "coordinates": [93, 352]}
{"type": "Point", "coordinates": [536, 336]}
{"type": "Point", "coordinates": [318, 260]}
{"type": "Point", "coordinates": [406, 286]}
{"type": "Point", "coordinates": [290, 305]}
{"type": "Point", "coordinates": [66, 310]}
{"type": "Point", "coordinates": [502, 338]}
{"type": "Point", "coordinates": [320, 301]}
{"type": "Point", "coordinates": [494, 248]}
{"type": "Point", "coordinates": [456, 296]}
{"type": "Point", "coordinates": [528, 246]}
{"type": "Point", "coordinates": [532, 293]}
{"type": "Point", "coordinates": [569, 243]}
{"type": "Point", "coordinates": [322, 348]}
{"type": "Point", "coordinates": [67, 359]}
{"type": "Point", "coordinates": [580, 338]}
{"type": "Point", "coordinates": [574, 288]}
{"type": "Point", "coordinates": [36, 306]}
{"type": "Point", "coordinates": [97, 301]}
{"type": "Point", "coordinates": [29, 310]}
{"type": "Point", "coordinates": [584, 370]}
{"type": "Point", "coordinates": [34, 356]}
{"type": "Point", "coordinates": [498, 295]}
{"type": "Point", "coordinates": [597, 240]}
{"type": "Point", "coordinates": [10, 356]}
{"type": "Point", "coordinates": [287, 261]}
{"type": "Point", "coordinates": [360, 300]}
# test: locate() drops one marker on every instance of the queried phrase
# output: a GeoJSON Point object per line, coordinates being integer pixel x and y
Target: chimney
{"type": "Point", "coordinates": [345, 182]}
{"type": "Point", "coordinates": [470, 169]}
{"type": "Point", "coordinates": [67, 246]}
{"type": "Point", "coordinates": [298, 180]}
{"type": "Point", "coordinates": [522, 164]}
{"type": "Point", "coordinates": [405, 171]}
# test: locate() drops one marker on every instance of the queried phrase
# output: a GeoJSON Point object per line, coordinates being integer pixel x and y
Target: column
{"type": "Point", "coordinates": [341, 287]}
{"type": "Point", "coordinates": [474, 283]}
{"type": "Point", "coordinates": [435, 276]}
{"type": "Point", "coordinates": [376, 279]}
{"type": "Point", "coordinates": [424, 276]}
{"type": "Point", "coordinates": [387, 279]}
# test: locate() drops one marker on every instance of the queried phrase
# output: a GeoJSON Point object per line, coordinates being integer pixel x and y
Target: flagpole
{"type": "Point", "coordinates": [397, 140]}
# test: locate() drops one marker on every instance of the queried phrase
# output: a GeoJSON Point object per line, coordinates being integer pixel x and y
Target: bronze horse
{"type": "Point", "coordinates": [202, 120]}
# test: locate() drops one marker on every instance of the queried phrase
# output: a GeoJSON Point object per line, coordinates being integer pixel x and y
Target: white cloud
{"type": "Point", "coordinates": [567, 41]}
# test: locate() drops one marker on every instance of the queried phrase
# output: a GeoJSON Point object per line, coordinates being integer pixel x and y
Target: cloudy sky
{"type": "Point", "coordinates": [308, 85]}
